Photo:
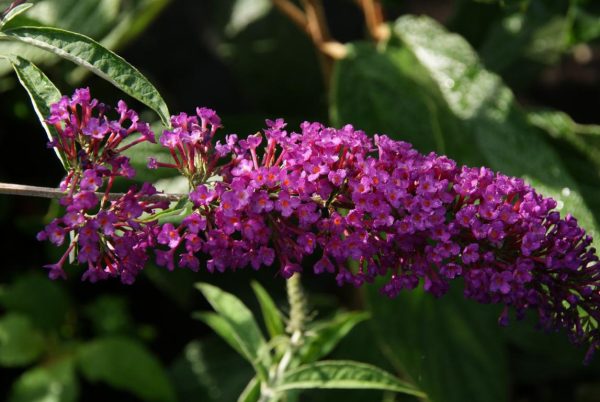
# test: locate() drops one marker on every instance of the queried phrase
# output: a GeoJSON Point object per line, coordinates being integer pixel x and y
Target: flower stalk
{"type": "Point", "coordinates": [296, 330]}
{"type": "Point", "coordinates": [57, 193]}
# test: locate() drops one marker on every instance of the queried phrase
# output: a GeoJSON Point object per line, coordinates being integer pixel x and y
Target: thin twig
{"type": "Point", "coordinates": [312, 22]}
{"type": "Point", "coordinates": [294, 13]}
{"type": "Point", "coordinates": [48, 192]}
{"type": "Point", "coordinates": [373, 12]}
{"type": "Point", "coordinates": [319, 32]}
{"type": "Point", "coordinates": [317, 22]}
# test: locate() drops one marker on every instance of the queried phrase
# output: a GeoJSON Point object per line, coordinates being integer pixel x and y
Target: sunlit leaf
{"type": "Point", "coordinates": [344, 374]}
{"type": "Point", "coordinates": [88, 53]}
{"type": "Point", "coordinates": [222, 328]}
{"type": "Point", "coordinates": [243, 325]}
{"type": "Point", "coordinates": [42, 93]}
{"type": "Point", "coordinates": [271, 315]}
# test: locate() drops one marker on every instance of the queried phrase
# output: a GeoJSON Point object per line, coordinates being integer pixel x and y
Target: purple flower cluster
{"type": "Point", "coordinates": [361, 207]}
{"type": "Point", "coordinates": [107, 235]}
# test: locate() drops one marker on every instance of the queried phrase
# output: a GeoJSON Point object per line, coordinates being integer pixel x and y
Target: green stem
{"type": "Point", "coordinates": [297, 301]}
{"type": "Point", "coordinates": [295, 328]}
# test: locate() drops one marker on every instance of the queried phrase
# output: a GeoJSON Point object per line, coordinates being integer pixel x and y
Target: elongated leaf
{"type": "Point", "coordinates": [222, 328]}
{"type": "Point", "coordinates": [14, 12]}
{"type": "Point", "coordinates": [328, 334]}
{"type": "Point", "coordinates": [252, 391]}
{"type": "Point", "coordinates": [90, 54]}
{"type": "Point", "coordinates": [20, 342]}
{"type": "Point", "coordinates": [55, 381]}
{"type": "Point", "coordinates": [111, 22]}
{"type": "Point", "coordinates": [242, 323]}
{"type": "Point", "coordinates": [42, 93]}
{"type": "Point", "coordinates": [92, 18]}
{"type": "Point", "coordinates": [125, 364]}
{"type": "Point", "coordinates": [271, 315]}
{"type": "Point", "coordinates": [338, 374]}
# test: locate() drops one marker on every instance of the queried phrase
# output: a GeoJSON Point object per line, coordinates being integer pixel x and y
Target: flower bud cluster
{"type": "Point", "coordinates": [361, 207]}
{"type": "Point", "coordinates": [106, 234]}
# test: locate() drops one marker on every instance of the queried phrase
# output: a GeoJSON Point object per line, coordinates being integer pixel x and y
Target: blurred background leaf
{"type": "Point", "coordinates": [20, 343]}
{"type": "Point", "coordinates": [209, 370]}
{"type": "Point", "coordinates": [451, 348]}
{"type": "Point", "coordinates": [127, 365]}
{"type": "Point", "coordinates": [53, 382]}
{"type": "Point", "coordinates": [112, 22]}
{"type": "Point", "coordinates": [40, 300]}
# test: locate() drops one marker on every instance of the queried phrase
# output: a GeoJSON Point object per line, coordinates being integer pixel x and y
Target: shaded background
{"type": "Point", "coordinates": [250, 63]}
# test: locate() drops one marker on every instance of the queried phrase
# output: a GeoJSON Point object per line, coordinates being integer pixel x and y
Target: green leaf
{"type": "Point", "coordinates": [55, 381]}
{"type": "Point", "coordinates": [585, 22]}
{"type": "Point", "coordinates": [271, 315]}
{"type": "Point", "coordinates": [90, 54]}
{"type": "Point", "coordinates": [222, 328]}
{"type": "Point", "coordinates": [442, 343]}
{"type": "Point", "coordinates": [113, 22]}
{"type": "Point", "coordinates": [14, 12]}
{"type": "Point", "coordinates": [489, 110]}
{"type": "Point", "coordinates": [252, 391]}
{"type": "Point", "coordinates": [344, 374]}
{"type": "Point", "coordinates": [20, 342]}
{"type": "Point", "coordinates": [88, 17]}
{"type": "Point", "coordinates": [244, 328]}
{"type": "Point", "coordinates": [323, 337]}
{"type": "Point", "coordinates": [42, 93]}
{"type": "Point", "coordinates": [43, 301]}
{"type": "Point", "coordinates": [125, 364]}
